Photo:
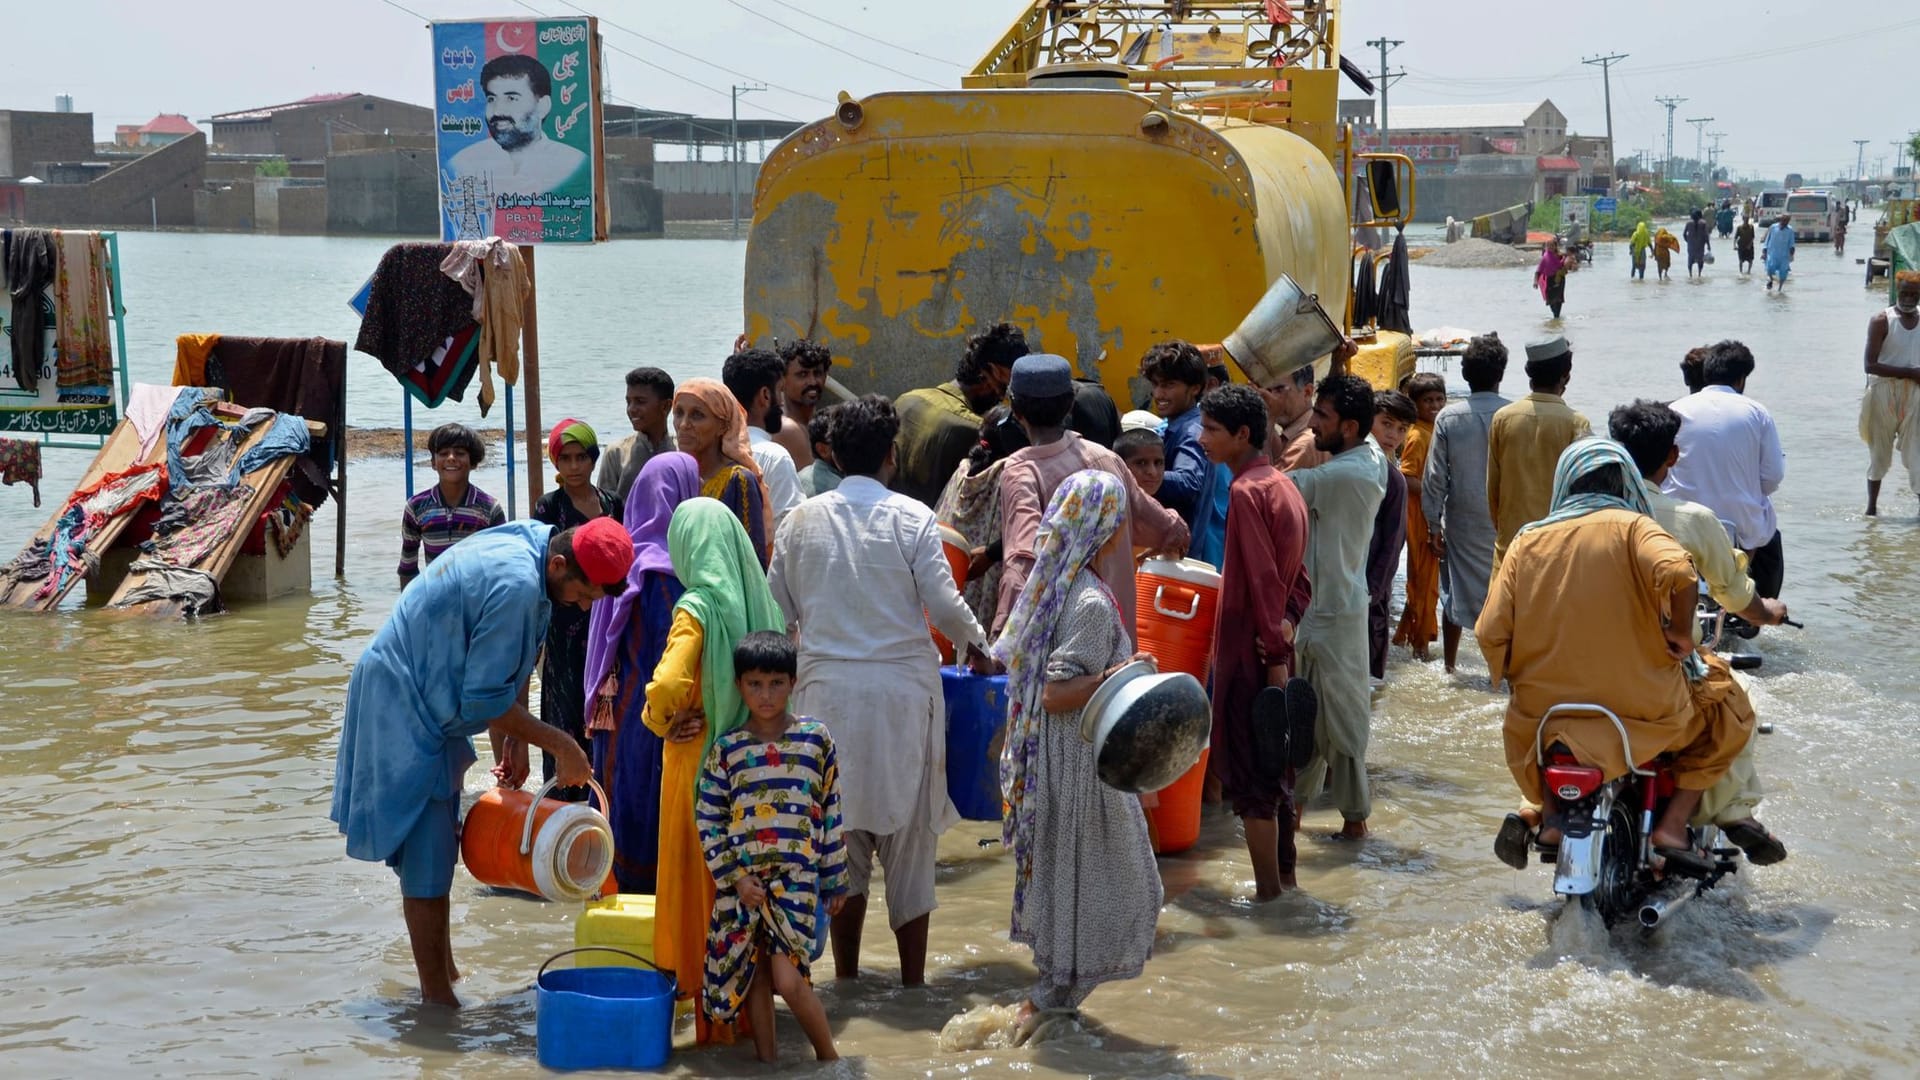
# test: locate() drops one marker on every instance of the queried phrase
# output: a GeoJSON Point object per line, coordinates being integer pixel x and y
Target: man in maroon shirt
{"type": "Point", "coordinates": [1263, 593]}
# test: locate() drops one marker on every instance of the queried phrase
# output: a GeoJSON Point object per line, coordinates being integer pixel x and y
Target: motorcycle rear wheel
{"type": "Point", "coordinates": [1617, 897]}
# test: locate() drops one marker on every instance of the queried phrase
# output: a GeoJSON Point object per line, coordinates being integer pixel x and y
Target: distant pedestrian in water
{"type": "Point", "coordinates": [1637, 246]}
{"type": "Point", "coordinates": [1778, 248]}
{"type": "Point", "coordinates": [1664, 245]}
{"type": "Point", "coordinates": [1725, 218]}
{"type": "Point", "coordinates": [1699, 237]}
{"type": "Point", "coordinates": [1551, 277]}
{"type": "Point", "coordinates": [1743, 244]}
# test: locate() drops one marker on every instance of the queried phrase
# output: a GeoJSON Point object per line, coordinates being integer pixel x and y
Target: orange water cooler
{"type": "Point", "coordinates": [1175, 605]}
{"type": "Point", "coordinates": [559, 850]}
{"type": "Point", "coordinates": [959, 557]}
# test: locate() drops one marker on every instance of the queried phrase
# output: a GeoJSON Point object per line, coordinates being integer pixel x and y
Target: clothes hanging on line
{"type": "Point", "coordinates": [287, 434]}
{"type": "Point", "coordinates": [412, 308]}
{"type": "Point", "coordinates": [28, 260]}
{"type": "Point", "coordinates": [445, 374]}
{"type": "Point", "coordinates": [148, 407]}
{"type": "Point", "coordinates": [301, 376]}
{"type": "Point", "coordinates": [495, 274]}
{"type": "Point", "coordinates": [190, 352]}
{"type": "Point", "coordinates": [1366, 298]}
{"type": "Point", "coordinates": [83, 367]}
{"type": "Point", "coordinates": [194, 590]}
{"type": "Point", "coordinates": [20, 464]}
{"type": "Point", "coordinates": [1395, 309]}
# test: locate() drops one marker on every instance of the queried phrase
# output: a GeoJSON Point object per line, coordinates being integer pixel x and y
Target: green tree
{"type": "Point", "coordinates": [273, 167]}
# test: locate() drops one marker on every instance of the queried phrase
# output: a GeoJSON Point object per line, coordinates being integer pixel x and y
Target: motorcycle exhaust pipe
{"type": "Point", "coordinates": [1663, 902]}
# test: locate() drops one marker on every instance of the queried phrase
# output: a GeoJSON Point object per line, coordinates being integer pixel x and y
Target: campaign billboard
{"type": "Point", "coordinates": [518, 130]}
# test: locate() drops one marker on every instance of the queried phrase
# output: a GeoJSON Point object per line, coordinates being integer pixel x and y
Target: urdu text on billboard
{"type": "Point", "coordinates": [518, 129]}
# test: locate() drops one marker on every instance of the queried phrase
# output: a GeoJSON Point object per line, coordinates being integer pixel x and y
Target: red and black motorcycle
{"type": "Point", "coordinates": [1605, 857]}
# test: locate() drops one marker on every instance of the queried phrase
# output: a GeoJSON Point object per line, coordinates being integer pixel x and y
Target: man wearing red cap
{"type": "Point", "coordinates": [452, 661]}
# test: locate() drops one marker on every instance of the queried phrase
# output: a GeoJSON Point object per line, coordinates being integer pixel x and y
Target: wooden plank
{"type": "Point", "coordinates": [121, 451]}
{"type": "Point", "coordinates": [265, 482]}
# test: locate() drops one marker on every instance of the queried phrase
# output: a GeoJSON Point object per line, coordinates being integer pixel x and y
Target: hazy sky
{"type": "Point", "coordinates": [1789, 92]}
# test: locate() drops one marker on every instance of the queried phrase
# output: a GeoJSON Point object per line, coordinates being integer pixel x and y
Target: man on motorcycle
{"type": "Point", "coordinates": [1594, 603]}
{"type": "Point", "coordinates": [1649, 430]}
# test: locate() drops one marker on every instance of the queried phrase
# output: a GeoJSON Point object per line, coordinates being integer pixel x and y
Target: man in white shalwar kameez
{"type": "Point", "coordinates": [1342, 498]}
{"type": "Point", "coordinates": [853, 569]}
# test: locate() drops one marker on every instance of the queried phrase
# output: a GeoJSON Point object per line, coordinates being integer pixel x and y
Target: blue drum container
{"type": "Point", "coordinates": [976, 723]}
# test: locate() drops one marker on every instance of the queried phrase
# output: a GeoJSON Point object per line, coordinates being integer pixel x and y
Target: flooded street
{"type": "Point", "coordinates": [177, 902]}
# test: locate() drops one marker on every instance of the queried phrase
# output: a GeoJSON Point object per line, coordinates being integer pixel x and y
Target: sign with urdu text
{"type": "Point", "coordinates": [518, 130]}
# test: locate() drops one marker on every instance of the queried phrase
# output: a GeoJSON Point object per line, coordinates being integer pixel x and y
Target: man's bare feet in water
{"type": "Point", "coordinates": [1352, 830]}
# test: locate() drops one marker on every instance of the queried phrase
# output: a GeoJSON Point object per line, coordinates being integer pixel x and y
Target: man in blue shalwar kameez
{"type": "Point", "coordinates": [451, 662]}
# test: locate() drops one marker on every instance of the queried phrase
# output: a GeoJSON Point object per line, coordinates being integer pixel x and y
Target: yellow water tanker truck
{"type": "Point", "coordinates": [1110, 175]}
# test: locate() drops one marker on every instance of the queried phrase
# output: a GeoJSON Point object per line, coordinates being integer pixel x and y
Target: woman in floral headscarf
{"type": "Point", "coordinates": [709, 424]}
{"type": "Point", "coordinates": [573, 450]}
{"type": "Point", "coordinates": [1086, 890]}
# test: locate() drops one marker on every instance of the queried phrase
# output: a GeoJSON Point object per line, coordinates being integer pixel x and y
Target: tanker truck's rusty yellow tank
{"type": "Point", "coordinates": [1100, 220]}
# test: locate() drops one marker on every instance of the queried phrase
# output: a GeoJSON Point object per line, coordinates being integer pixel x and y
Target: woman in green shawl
{"type": "Point", "coordinates": [691, 702]}
{"type": "Point", "coordinates": [1637, 246]}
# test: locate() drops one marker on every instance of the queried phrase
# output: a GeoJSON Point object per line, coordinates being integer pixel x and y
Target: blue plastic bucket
{"type": "Point", "coordinates": [603, 1017]}
{"type": "Point", "coordinates": [976, 718]}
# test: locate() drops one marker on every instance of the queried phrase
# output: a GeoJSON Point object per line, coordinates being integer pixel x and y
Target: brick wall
{"type": "Point", "coordinates": [384, 192]}
{"type": "Point", "coordinates": [160, 184]}
{"type": "Point", "coordinates": [303, 211]}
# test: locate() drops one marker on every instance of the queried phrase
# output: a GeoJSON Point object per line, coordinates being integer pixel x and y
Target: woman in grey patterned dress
{"type": "Point", "coordinates": [1086, 887]}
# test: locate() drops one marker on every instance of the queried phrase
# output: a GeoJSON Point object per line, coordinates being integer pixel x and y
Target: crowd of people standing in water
{"type": "Point", "coordinates": [729, 611]}
{"type": "Point", "coordinates": [1776, 248]}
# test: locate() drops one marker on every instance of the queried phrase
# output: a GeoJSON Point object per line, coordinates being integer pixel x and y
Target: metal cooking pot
{"type": "Point", "coordinates": [1147, 729]}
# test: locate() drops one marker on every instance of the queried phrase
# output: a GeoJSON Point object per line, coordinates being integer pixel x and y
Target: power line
{"type": "Point", "coordinates": [1686, 65]}
{"type": "Point", "coordinates": [869, 37]}
{"type": "Point", "coordinates": [408, 10]}
{"type": "Point", "coordinates": [830, 45]}
{"type": "Point", "coordinates": [682, 52]}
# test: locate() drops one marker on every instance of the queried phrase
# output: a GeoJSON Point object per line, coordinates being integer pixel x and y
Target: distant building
{"type": "Point", "coordinates": [1519, 128]}
{"type": "Point", "coordinates": [29, 140]}
{"type": "Point", "coordinates": [304, 130]}
{"type": "Point", "coordinates": [159, 131]}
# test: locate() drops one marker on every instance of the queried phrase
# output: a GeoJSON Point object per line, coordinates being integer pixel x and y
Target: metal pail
{"type": "Point", "coordinates": [1286, 330]}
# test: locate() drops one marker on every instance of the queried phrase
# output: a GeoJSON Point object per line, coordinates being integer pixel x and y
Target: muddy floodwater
{"type": "Point", "coordinates": [176, 902]}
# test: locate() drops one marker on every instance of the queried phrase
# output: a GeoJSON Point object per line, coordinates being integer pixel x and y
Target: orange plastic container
{"type": "Point", "coordinates": [1175, 605]}
{"type": "Point", "coordinates": [558, 850]}
{"type": "Point", "coordinates": [1174, 825]}
{"type": "Point", "coordinates": [959, 558]}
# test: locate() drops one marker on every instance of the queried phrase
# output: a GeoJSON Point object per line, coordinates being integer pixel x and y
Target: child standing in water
{"type": "Point", "coordinates": [440, 516]}
{"type": "Point", "coordinates": [769, 814]}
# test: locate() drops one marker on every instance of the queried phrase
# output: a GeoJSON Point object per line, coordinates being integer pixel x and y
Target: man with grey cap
{"type": "Point", "coordinates": [1043, 391]}
{"type": "Point", "coordinates": [1525, 441]}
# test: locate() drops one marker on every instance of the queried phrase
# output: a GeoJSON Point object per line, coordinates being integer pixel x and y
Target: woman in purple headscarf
{"type": "Point", "coordinates": [624, 640]}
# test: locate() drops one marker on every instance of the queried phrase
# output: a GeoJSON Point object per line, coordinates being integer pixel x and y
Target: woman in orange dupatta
{"type": "Point", "coordinates": [709, 424]}
{"type": "Point", "coordinates": [1420, 622]}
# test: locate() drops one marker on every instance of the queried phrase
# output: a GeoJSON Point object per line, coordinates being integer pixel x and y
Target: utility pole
{"type": "Point", "coordinates": [733, 152]}
{"type": "Point", "coordinates": [1713, 156]}
{"type": "Point", "coordinates": [1672, 103]}
{"type": "Point", "coordinates": [1899, 154]}
{"type": "Point", "coordinates": [1860, 162]}
{"type": "Point", "coordinates": [1700, 142]}
{"type": "Point", "coordinates": [1606, 82]}
{"type": "Point", "coordinates": [1387, 78]}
